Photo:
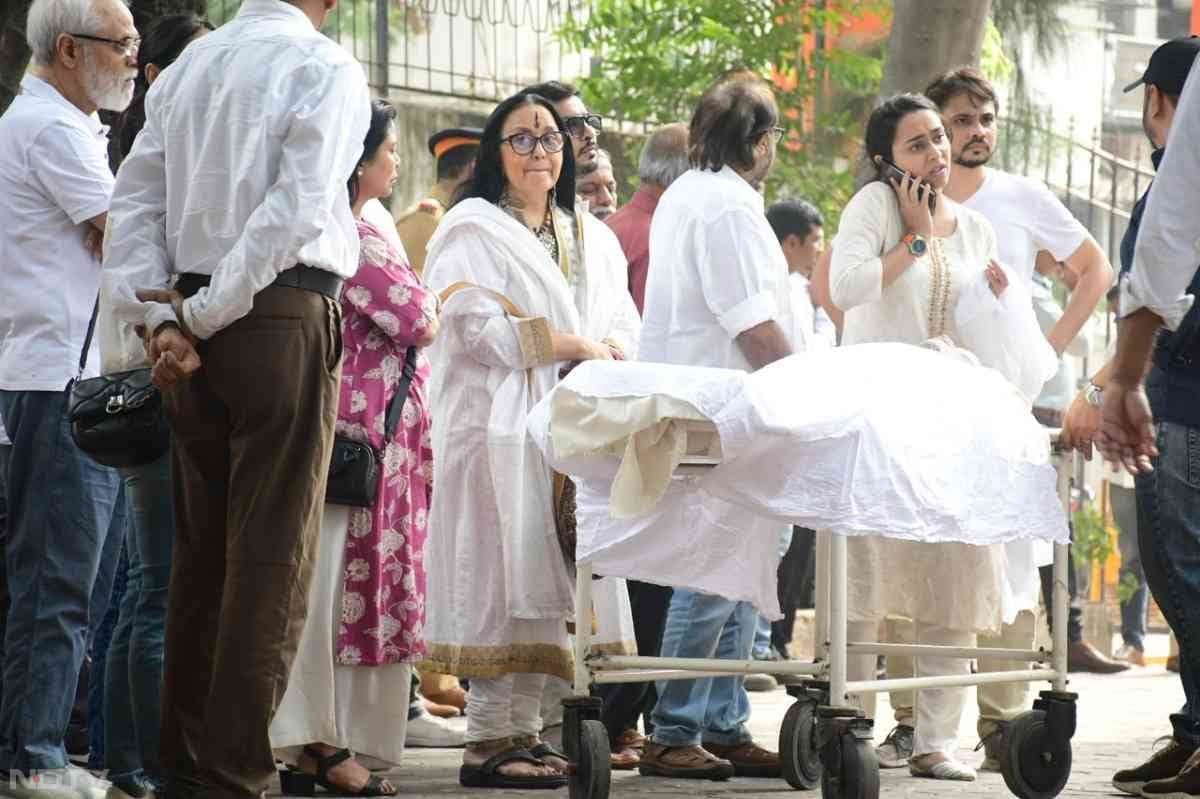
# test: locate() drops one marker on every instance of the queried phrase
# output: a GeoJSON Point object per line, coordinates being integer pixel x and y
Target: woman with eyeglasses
{"type": "Point", "coordinates": [529, 287]}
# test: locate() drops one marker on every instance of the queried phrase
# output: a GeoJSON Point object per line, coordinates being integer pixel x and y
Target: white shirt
{"type": "Point", "coordinates": [1168, 242]}
{"type": "Point", "coordinates": [812, 328]}
{"type": "Point", "coordinates": [240, 171]}
{"type": "Point", "coordinates": [716, 270]}
{"type": "Point", "coordinates": [1027, 217]}
{"type": "Point", "coordinates": [54, 177]}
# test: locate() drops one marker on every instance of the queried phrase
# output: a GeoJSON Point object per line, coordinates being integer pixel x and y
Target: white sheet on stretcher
{"type": "Point", "coordinates": [872, 439]}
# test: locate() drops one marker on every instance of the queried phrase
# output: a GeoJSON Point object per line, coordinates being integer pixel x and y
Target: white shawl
{"type": "Point", "coordinates": [479, 243]}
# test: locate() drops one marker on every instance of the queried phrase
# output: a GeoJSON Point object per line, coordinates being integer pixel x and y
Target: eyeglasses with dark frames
{"type": "Point", "coordinates": [128, 46]}
{"type": "Point", "coordinates": [524, 143]}
{"type": "Point", "coordinates": [577, 125]}
{"type": "Point", "coordinates": [776, 133]}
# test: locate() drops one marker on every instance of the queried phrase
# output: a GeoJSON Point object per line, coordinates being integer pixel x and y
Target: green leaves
{"type": "Point", "coordinates": [653, 58]}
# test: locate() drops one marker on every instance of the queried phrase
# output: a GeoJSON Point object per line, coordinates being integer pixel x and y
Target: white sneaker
{"type": "Point", "coordinates": [428, 731]}
{"type": "Point", "coordinates": [60, 783]}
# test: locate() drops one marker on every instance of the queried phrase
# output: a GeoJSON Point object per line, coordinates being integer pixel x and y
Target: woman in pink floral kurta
{"type": "Point", "coordinates": [345, 709]}
{"type": "Point", "coordinates": [385, 311]}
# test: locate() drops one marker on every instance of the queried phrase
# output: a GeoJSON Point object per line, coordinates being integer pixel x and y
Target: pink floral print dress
{"type": "Point", "coordinates": [385, 309]}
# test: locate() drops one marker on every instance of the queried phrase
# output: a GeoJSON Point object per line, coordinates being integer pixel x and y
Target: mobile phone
{"type": "Point", "coordinates": [892, 172]}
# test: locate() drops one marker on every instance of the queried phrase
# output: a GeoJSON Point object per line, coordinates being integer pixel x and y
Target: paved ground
{"type": "Point", "coordinates": [1119, 719]}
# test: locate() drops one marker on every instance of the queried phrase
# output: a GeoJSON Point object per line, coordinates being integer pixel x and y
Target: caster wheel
{"type": "Point", "coordinates": [857, 772]}
{"type": "Point", "coordinates": [798, 748]}
{"type": "Point", "coordinates": [1036, 765]}
{"type": "Point", "coordinates": [592, 770]}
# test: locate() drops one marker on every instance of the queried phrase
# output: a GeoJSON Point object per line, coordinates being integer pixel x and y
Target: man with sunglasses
{"type": "Point", "coordinates": [582, 125]}
{"type": "Point", "coordinates": [66, 512]}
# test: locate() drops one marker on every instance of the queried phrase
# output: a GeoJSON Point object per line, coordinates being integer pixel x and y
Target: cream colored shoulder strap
{"type": "Point", "coordinates": [508, 305]}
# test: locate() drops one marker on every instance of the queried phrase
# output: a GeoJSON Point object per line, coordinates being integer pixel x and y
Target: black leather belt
{"type": "Point", "coordinates": [299, 276]}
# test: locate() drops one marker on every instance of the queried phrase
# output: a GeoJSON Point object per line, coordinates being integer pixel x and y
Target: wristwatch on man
{"type": "Point", "coordinates": [916, 245]}
{"type": "Point", "coordinates": [1092, 393]}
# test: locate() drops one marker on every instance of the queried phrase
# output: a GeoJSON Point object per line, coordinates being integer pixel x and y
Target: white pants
{"type": "Point", "coordinates": [938, 710]}
{"type": "Point", "coordinates": [505, 707]}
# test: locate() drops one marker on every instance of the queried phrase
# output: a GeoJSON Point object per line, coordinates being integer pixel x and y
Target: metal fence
{"type": "Point", "coordinates": [1099, 187]}
{"type": "Point", "coordinates": [472, 49]}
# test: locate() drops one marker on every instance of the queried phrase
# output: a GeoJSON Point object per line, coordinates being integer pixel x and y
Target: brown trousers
{"type": "Point", "coordinates": [253, 430]}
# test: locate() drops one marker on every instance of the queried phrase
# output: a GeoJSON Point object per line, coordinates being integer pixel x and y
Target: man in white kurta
{"type": "Point", "coordinates": [717, 295]}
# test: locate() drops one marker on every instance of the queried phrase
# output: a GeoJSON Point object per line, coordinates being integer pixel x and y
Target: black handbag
{"type": "Point", "coordinates": [354, 466]}
{"type": "Point", "coordinates": [116, 419]}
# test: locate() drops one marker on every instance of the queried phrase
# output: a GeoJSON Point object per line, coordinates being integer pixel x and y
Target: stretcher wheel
{"type": "Point", "coordinates": [592, 772]}
{"type": "Point", "coordinates": [855, 774]}
{"type": "Point", "coordinates": [1037, 763]}
{"type": "Point", "coordinates": [799, 751]}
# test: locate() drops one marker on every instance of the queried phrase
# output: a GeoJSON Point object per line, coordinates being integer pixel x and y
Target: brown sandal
{"type": "Point", "coordinates": [748, 759]}
{"type": "Point", "coordinates": [683, 762]}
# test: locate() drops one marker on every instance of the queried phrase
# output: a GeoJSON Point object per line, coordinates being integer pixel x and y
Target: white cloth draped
{"type": "Point", "coordinates": [497, 579]}
{"type": "Point", "coordinates": [944, 452]}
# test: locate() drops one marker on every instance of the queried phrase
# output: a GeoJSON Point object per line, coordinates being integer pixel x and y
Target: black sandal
{"type": "Point", "coordinates": [488, 776]}
{"type": "Point", "coordinates": [543, 750]}
{"type": "Point", "coordinates": [294, 782]}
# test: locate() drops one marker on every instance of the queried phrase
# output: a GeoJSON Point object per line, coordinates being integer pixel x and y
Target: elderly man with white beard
{"type": "Point", "coordinates": [66, 513]}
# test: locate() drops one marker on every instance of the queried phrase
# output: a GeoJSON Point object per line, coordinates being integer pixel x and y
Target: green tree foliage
{"type": "Point", "coordinates": [655, 57]}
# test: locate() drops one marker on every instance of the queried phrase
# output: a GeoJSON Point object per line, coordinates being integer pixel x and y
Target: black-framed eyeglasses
{"type": "Point", "coordinates": [577, 125]}
{"type": "Point", "coordinates": [776, 133]}
{"type": "Point", "coordinates": [128, 46]}
{"type": "Point", "coordinates": [524, 143]}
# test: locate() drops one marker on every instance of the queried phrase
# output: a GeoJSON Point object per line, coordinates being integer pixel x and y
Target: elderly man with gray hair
{"type": "Point", "coordinates": [66, 513]}
{"type": "Point", "coordinates": [664, 158]}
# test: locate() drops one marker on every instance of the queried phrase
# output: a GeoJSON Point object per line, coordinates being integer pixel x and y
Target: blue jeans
{"type": "Point", "coordinates": [66, 516]}
{"type": "Point", "coordinates": [133, 675]}
{"type": "Point", "coordinates": [1133, 610]}
{"type": "Point", "coordinates": [713, 709]}
{"type": "Point", "coordinates": [1169, 533]}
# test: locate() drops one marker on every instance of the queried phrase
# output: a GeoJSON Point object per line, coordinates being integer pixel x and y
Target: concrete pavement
{"type": "Point", "coordinates": [1119, 719]}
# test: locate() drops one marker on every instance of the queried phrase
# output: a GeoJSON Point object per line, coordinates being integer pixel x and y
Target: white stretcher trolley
{"type": "Point", "coordinates": [877, 437]}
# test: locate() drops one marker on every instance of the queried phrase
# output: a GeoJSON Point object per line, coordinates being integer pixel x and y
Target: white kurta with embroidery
{"type": "Point", "coordinates": [942, 294]}
{"type": "Point", "coordinates": [499, 592]}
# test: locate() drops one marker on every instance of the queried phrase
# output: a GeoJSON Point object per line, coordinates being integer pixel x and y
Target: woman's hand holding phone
{"type": "Point", "coordinates": [914, 207]}
{"type": "Point", "coordinates": [917, 198]}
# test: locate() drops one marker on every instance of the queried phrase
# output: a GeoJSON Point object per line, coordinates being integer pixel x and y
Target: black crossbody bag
{"type": "Point", "coordinates": [116, 419]}
{"type": "Point", "coordinates": [354, 467]}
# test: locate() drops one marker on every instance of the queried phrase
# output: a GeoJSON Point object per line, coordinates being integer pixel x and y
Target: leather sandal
{"type": "Point", "coordinates": [294, 782]}
{"type": "Point", "coordinates": [487, 775]}
{"type": "Point", "coordinates": [683, 762]}
{"type": "Point", "coordinates": [748, 759]}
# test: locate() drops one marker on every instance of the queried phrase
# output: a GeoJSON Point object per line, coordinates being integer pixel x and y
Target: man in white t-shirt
{"type": "Point", "coordinates": [716, 295]}
{"type": "Point", "coordinates": [1028, 218]}
{"type": "Point", "coordinates": [66, 513]}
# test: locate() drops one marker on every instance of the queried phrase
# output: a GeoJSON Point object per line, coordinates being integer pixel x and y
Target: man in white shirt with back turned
{"type": "Point", "coordinates": [66, 513]}
{"type": "Point", "coordinates": [717, 295]}
{"type": "Point", "coordinates": [230, 233]}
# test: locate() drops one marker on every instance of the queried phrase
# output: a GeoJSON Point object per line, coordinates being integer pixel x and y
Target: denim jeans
{"type": "Point", "coordinates": [133, 675]}
{"type": "Point", "coordinates": [5, 451]}
{"type": "Point", "coordinates": [64, 511]}
{"type": "Point", "coordinates": [1133, 610]}
{"type": "Point", "coordinates": [713, 709]}
{"type": "Point", "coordinates": [1169, 535]}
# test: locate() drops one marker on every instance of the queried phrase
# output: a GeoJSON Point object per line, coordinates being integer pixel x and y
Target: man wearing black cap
{"type": "Point", "coordinates": [455, 150]}
{"type": "Point", "coordinates": [1168, 499]}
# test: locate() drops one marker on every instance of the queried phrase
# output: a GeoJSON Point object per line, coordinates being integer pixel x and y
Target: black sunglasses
{"type": "Point", "coordinates": [575, 125]}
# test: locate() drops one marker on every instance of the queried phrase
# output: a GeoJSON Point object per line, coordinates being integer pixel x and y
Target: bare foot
{"type": "Point", "coordinates": [477, 754]}
{"type": "Point", "coordinates": [349, 775]}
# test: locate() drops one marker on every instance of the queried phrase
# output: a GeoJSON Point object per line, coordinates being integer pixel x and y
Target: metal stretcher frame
{"type": "Point", "coordinates": [826, 741]}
